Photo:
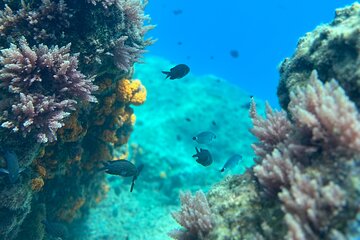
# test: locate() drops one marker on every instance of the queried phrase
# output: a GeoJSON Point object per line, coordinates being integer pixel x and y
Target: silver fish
{"type": "Point", "coordinates": [204, 137]}
{"type": "Point", "coordinates": [231, 162]}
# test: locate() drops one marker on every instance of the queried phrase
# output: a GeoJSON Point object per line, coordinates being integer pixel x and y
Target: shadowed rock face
{"type": "Point", "coordinates": [332, 50]}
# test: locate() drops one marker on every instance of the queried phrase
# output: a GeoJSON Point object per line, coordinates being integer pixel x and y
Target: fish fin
{"type": "Point", "coordinates": [167, 74]}
{"type": "Point", "coordinates": [3, 170]}
{"type": "Point", "coordinates": [132, 184]}
{"type": "Point", "coordinates": [197, 150]}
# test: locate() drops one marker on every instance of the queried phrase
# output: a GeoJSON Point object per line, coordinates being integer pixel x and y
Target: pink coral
{"type": "Point", "coordinates": [43, 85]}
{"type": "Point", "coordinates": [326, 122]}
{"type": "Point", "coordinates": [326, 112]}
{"type": "Point", "coordinates": [194, 216]}
{"type": "Point", "coordinates": [310, 207]}
{"type": "Point", "coordinates": [270, 131]}
{"type": "Point", "coordinates": [275, 171]}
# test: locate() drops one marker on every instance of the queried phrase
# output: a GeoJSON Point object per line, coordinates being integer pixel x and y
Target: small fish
{"type": "Point", "coordinates": [204, 137]}
{"type": "Point", "coordinates": [177, 12]}
{"type": "Point", "coordinates": [234, 53]}
{"type": "Point", "coordinates": [179, 71]}
{"type": "Point", "coordinates": [123, 168]}
{"type": "Point", "coordinates": [55, 229]}
{"type": "Point", "coordinates": [203, 157]}
{"type": "Point", "coordinates": [231, 162]}
{"type": "Point", "coordinates": [12, 165]}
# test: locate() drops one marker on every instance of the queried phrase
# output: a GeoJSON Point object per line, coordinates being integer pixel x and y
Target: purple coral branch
{"type": "Point", "coordinates": [310, 206]}
{"type": "Point", "coordinates": [326, 112]}
{"type": "Point", "coordinates": [43, 85]}
{"type": "Point", "coordinates": [35, 23]}
{"type": "Point", "coordinates": [194, 216]}
{"type": "Point", "coordinates": [326, 122]}
{"type": "Point", "coordinates": [124, 55]}
{"type": "Point", "coordinates": [270, 131]}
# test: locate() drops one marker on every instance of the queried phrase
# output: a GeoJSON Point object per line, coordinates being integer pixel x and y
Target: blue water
{"type": "Point", "coordinates": [263, 33]}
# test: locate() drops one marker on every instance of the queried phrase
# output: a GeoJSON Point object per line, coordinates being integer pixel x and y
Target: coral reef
{"type": "Point", "coordinates": [309, 178]}
{"type": "Point", "coordinates": [305, 182]}
{"type": "Point", "coordinates": [62, 111]}
{"type": "Point", "coordinates": [332, 49]}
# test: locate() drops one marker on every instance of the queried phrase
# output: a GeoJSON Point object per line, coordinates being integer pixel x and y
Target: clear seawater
{"type": "Point", "coordinates": [263, 33]}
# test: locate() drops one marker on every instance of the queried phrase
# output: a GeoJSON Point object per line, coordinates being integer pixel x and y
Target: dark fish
{"type": "Point", "coordinates": [231, 162]}
{"type": "Point", "coordinates": [177, 72]}
{"type": "Point", "coordinates": [204, 137]}
{"type": "Point", "coordinates": [123, 168]}
{"type": "Point", "coordinates": [177, 12]}
{"type": "Point", "coordinates": [213, 123]}
{"type": "Point", "coordinates": [12, 165]}
{"type": "Point", "coordinates": [56, 229]}
{"type": "Point", "coordinates": [234, 53]}
{"type": "Point", "coordinates": [203, 157]}
{"type": "Point", "coordinates": [188, 119]}
{"type": "Point", "coordinates": [179, 43]}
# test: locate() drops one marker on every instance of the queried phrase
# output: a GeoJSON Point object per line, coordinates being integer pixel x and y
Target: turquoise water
{"type": "Point", "coordinates": [263, 32]}
{"type": "Point", "coordinates": [85, 103]}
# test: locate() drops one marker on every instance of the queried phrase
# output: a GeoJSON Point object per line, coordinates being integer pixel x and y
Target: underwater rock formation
{"type": "Point", "coordinates": [65, 96]}
{"type": "Point", "coordinates": [305, 184]}
{"type": "Point", "coordinates": [333, 50]}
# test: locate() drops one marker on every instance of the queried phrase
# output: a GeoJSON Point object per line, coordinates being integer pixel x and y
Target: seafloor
{"type": "Point", "coordinates": [162, 139]}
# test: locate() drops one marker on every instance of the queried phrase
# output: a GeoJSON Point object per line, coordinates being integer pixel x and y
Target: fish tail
{"type": "Point", "coordinates": [132, 184]}
{"type": "Point", "coordinates": [167, 74]}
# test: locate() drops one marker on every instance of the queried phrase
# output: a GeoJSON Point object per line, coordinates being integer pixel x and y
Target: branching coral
{"type": "Point", "coordinates": [325, 122]}
{"type": "Point", "coordinates": [124, 55]}
{"type": "Point", "coordinates": [105, 3]}
{"type": "Point", "coordinates": [194, 216]}
{"type": "Point", "coordinates": [270, 131]}
{"type": "Point", "coordinates": [275, 171]}
{"type": "Point", "coordinates": [34, 24]}
{"type": "Point", "coordinates": [310, 207]}
{"type": "Point", "coordinates": [44, 85]}
{"type": "Point", "coordinates": [326, 112]}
